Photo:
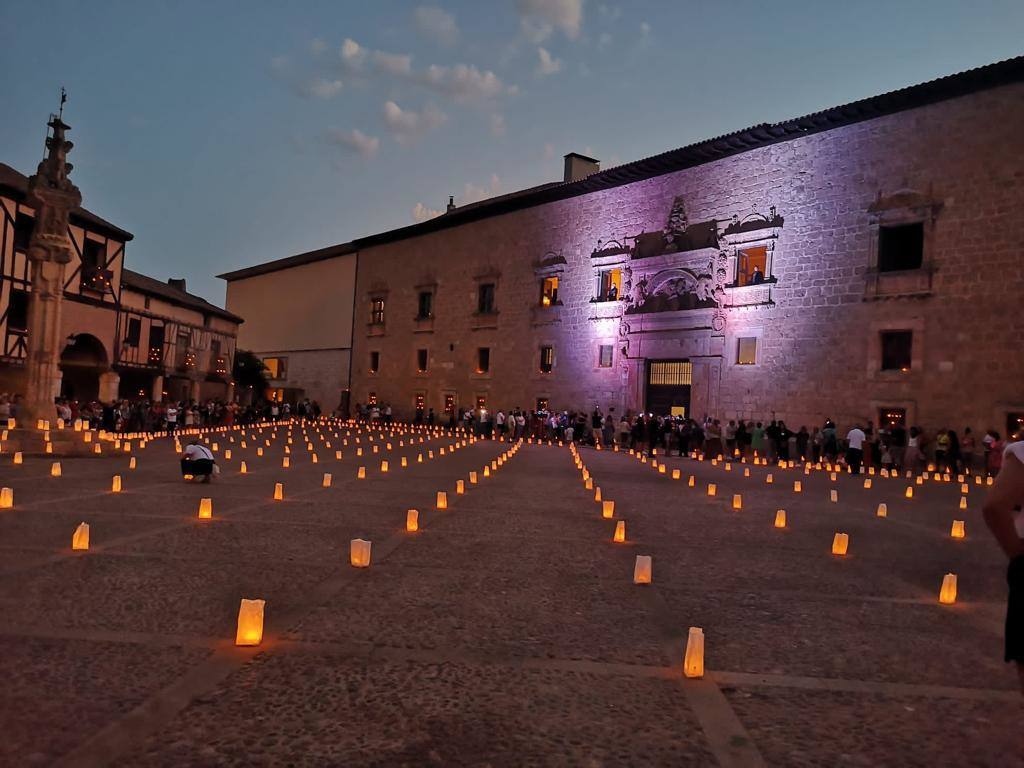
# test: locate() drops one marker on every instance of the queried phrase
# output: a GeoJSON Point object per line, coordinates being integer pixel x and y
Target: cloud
{"type": "Point", "coordinates": [538, 18]}
{"type": "Point", "coordinates": [471, 193]}
{"type": "Point", "coordinates": [497, 125]}
{"type": "Point", "coordinates": [320, 88]}
{"type": "Point", "coordinates": [394, 64]}
{"type": "Point", "coordinates": [436, 24]}
{"type": "Point", "coordinates": [279, 64]}
{"type": "Point", "coordinates": [422, 213]}
{"type": "Point", "coordinates": [645, 28]}
{"type": "Point", "coordinates": [407, 125]}
{"type": "Point", "coordinates": [317, 46]}
{"type": "Point", "coordinates": [463, 82]}
{"type": "Point", "coordinates": [352, 54]}
{"type": "Point", "coordinates": [354, 141]}
{"type": "Point", "coordinates": [547, 64]}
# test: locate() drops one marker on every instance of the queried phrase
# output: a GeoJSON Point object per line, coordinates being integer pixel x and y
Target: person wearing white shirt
{"type": "Point", "coordinates": [197, 461]}
{"type": "Point", "coordinates": [855, 448]}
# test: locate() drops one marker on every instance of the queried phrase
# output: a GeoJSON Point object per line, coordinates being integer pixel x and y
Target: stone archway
{"type": "Point", "coordinates": [82, 363]}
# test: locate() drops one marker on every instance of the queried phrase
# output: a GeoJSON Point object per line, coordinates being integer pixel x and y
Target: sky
{"type": "Point", "coordinates": [228, 133]}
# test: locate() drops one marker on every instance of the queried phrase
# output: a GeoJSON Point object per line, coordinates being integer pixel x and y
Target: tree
{"type": "Point", "coordinates": [249, 374]}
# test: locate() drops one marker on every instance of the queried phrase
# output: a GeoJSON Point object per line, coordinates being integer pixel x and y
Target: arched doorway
{"type": "Point", "coordinates": [82, 361]}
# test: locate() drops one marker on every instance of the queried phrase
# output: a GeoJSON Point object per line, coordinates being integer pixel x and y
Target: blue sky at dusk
{"type": "Point", "coordinates": [223, 134]}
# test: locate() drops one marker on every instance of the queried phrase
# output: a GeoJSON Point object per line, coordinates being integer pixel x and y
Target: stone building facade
{"type": "Point", "coordinates": [864, 263]}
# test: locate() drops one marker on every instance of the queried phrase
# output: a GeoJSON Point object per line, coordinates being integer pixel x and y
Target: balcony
{"type": "Point", "coordinates": [96, 280]}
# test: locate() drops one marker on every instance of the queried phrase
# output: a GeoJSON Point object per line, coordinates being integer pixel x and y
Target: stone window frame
{"type": "Point", "coordinates": [913, 323]}
{"type": "Point", "coordinates": [425, 371]}
{"type": "Point", "coordinates": [546, 344]}
{"type": "Point", "coordinates": [485, 319]}
{"type": "Point", "coordinates": [733, 347]}
{"type": "Point", "coordinates": [606, 342]}
{"type": "Point", "coordinates": [905, 206]}
{"type": "Point", "coordinates": [372, 296]}
{"type": "Point", "coordinates": [476, 372]}
{"type": "Point", "coordinates": [373, 369]}
{"type": "Point", "coordinates": [417, 395]}
{"type": "Point", "coordinates": [425, 324]}
{"type": "Point", "coordinates": [876, 406]}
{"type": "Point", "coordinates": [443, 405]}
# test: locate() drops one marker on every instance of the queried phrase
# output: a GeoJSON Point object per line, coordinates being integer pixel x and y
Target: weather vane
{"type": "Point", "coordinates": [63, 98]}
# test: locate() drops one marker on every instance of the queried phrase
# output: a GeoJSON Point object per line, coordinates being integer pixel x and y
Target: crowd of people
{"type": "Point", "coordinates": [893, 447]}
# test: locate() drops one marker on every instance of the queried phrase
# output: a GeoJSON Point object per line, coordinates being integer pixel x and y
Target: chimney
{"type": "Point", "coordinates": [579, 166]}
{"type": "Point", "coordinates": [451, 204]}
{"type": "Point", "coordinates": [178, 283]}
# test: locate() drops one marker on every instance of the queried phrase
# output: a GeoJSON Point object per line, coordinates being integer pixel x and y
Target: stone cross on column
{"type": "Point", "coordinates": [53, 197]}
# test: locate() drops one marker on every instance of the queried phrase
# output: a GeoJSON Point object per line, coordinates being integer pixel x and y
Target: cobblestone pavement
{"type": "Point", "coordinates": [507, 630]}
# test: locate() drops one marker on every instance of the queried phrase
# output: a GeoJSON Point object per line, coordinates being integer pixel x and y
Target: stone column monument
{"type": "Point", "coordinates": [53, 197]}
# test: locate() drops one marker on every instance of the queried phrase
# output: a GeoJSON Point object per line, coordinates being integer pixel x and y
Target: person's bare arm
{"type": "Point", "coordinates": [1006, 493]}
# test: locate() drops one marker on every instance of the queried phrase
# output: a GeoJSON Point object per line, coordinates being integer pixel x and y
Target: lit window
{"type": "Point", "coordinates": [483, 359]}
{"type": "Point", "coordinates": [426, 305]}
{"type": "Point", "coordinates": [610, 288]}
{"type": "Point", "coordinates": [374, 362]}
{"type": "Point", "coordinates": [896, 350]}
{"type": "Point", "coordinates": [892, 417]}
{"type": "Point", "coordinates": [751, 265]}
{"type": "Point", "coordinates": [277, 367]}
{"type": "Point", "coordinates": [421, 360]}
{"type": "Point", "coordinates": [421, 401]}
{"type": "Point", "coordinates": [371, 398]}
{"type": "Point", "coordinates": [377, 311]}
{"type": "Point", "coordinates": [549, 291]}
{"type": "Point", "coordinates": [900, 247]}
{"type": "Point", "coordinates": [547, 359]}
{"type": "Point", "coordinates": [746, 351]}
{"type": "Point", "coordinates": [481, 401]}
{"type": "Point", "coordinates": [485, 299]}
{"type": "Point", "coordinates": [449, 402]}
{"type": "Point", "coordinates": [542, 403]}
{"type": "Point", "coordinates": [604, 358]}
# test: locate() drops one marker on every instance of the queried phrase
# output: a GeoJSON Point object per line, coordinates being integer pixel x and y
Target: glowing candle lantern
{"type": "Point", "coordinates": [359, 553]}
{"type": "Point", "coordinates": [977, 480]}
{"type": "Point", "coordinates": [737, 501]}
{"type": "Point", "coordinates": [661, 469]}
{"type": "Point", "coordinates": [286, 462]}
{"type": "Point", "coordinates": [957, 531]}
{"type": "Point", "coordinates": [17, 457]}
{"type": "Point", "coordinates": [278, 491]}
{"type": "Point", "coordinates": [832, 476]}
{"type": "Point", "coordinates": [80, 538]}
{"type": "Point", "coordinates": [620, 532]}
{"type": "Point", "coordinates": [131, 463]}
{"type": "Point", "coordinates": [597, 494]}
{"type": "Point", "coordinates": [412, 520]}
{"type": "Point", "coordinates": [359, 451]}
{"type": "Point", "coordinates": [405, 462]}
{"type": "Point", "coordinates": [487, 471]}
{"type": "Point", "coordinates": [676, 474]}
{"type": "Point", "coordinates": [797, 486]}
{"type": "Point", "coordinates": [327, 479]}
{"type": "Point", "coordinates": [6, 498]}
{"type": "Point", "coordinates": [882, 510]}
{"type": "Point", "coordinates": [259, 451]}
{"type": "Point", "coordinates": [947, 592]}
{"type": "Point", "coordinates": [691, 481]}
{"type": "Point", "coordinates": [472, 478]}
{"type": "Point", "coordinates": [963, 502]}
{"type": "Point", "coordinates": [746, 471]}
{"type": "Point", "coordinates": [442, 500]}
{"type": "Point", "coordinates": [780, 518]}
{"type": "Point", "coordinates": [919, 480]}
{"type": "Point", "coordinates": [833, 496]}
{"type": "Point", "coordinates": [361, 473]}
{"type": "Point", "coordinates": [693, 659]}
{"type": "Point", "coordinates": [384, 466]}
{"type": "Point", "coordinates": [588, 484]}
{"type": "Point", "coordinates": [494, 465]}
{"type": "Point", "coordinates": [115, 484]}
{"type": "Point", "coordinates": [712, 489]}
{"type": "Point", "coordinates": [910, 492]}
{"type": "Point", "coordinates": [244, 468]}
{"type": "Point", "coordinates": [460, 487]}
{"type": "Point", "coordinates": [867, 483]}
{"type": "Point", "coordinates": [840, 544]}
{"type": "Point", "coordinates": [965, 488]}
{"type": "Point", "coordinates": [337, 455]}
{"type": "Point", "coordinates": [642, 570]}
{"type": "Point", "coordinates": [608, 509]}
{"type": "Point", "coordinates": [250, 622]}
{"type": "Point", "coordinates": [55, 469]}
{"type": "Point", "coordinates": [205, 509]}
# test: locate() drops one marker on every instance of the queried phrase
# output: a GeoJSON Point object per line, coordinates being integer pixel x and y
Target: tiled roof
{"type": "Point", "coordinates": [709, 150]}
{"type": "Point", "coordinates": [16, 183]}
{"type": "Point", "coordinates": [148, 285]}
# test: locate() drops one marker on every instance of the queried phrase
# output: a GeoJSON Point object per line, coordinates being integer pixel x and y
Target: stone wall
{"type": "Point", "coordinates": [956, 164]}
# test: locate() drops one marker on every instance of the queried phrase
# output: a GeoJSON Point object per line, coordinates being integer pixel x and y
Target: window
{"type": "Point", "coordinates": [549, 291]}
{"type": "Point", "coordinates": [277, 367]}
{"type": "Point", "coordinates": [449, 402]}
{"type": "Point", "coordinates": [896, 349]}
{"type": "Point", "coordinates": [746, 351]}
{"type": "Point", "coordinates": [752, 265]}
{"type": "Point", "coordinates": [134, 332]}
{"type": "Point", "coordinates": [485, 299]}
{"type": "Point", "coordinates": [377, 311]}
{"type": "Point", "coordinates": [610, 288]}
{"type": "Point", "coordinates": [374, 362]}
{"type": "Point", "coordinates": [17, 310]}
{"type": "Point", "coordinates": [425, 308]}
{"type": "Point", "coordinates": [481, 401]}
{"type": "Point", "coordinates": [671, 373]}
{"type": "Point", "coordinates": [421, 360]}
{"type": "Point", "coordinates": [371, 398]}
{"type": "Point", "coordinates": [421, 401]}
{"type": "Point", "coordinates": [92, 255]}
{"type": "Point", "coordinates": [1014, 424]}
{"type": "Point", "coordinates": [542, 403]}
{"type": "Point", "coordinates": [23, 225]}
{"type": "Point", "coordinates": [604, 357]}
{"type": "Point", "coordinates": [483, 360]}
{"type": "Point", "coordinates": [215, 346]}
{"type": "Point", "coordinates": [892, 417]}
{"type": "Point", "coordinates": [547, 359]}
{"type": "Point", "coordinates": [156, 344]}
{"type": "Point", "coordinates": [900, 247]}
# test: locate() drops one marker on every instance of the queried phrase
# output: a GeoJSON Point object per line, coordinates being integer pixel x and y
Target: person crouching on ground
{"type": "Point", "coordinates": [197, 461]}
{"type": "Point", "coordinates": [1001, 507]}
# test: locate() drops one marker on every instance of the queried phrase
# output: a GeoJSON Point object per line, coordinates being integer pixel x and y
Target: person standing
{"type": "Point", "coordinates": [1003, 517]}
{"type": "Point", "coordinates": [855, 448]}
{"type": "Point", "coordinates": [967, 448]}
{"type": "Point", "coordinates": [171, 414]}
